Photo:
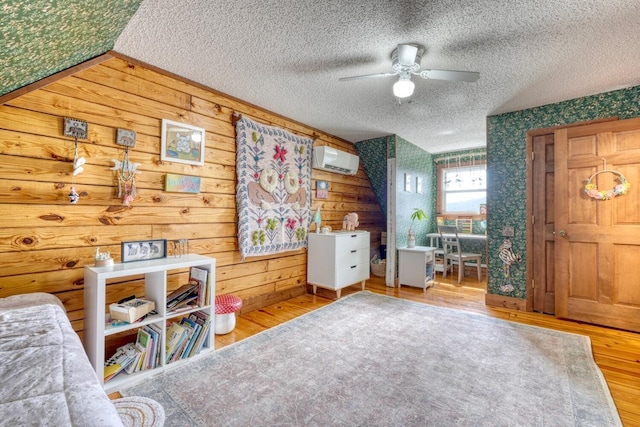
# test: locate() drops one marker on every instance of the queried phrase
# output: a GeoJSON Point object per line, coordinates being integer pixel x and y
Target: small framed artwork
{"type": "Point", "coordinates": [419, 184]}
{"type": "Point", "coordinates": [483, 208]}
{"type": "Point", "coordinates": [322, 189]}
{"type": "Point", "coordinates": [508, 231]}
{"type": "Point", "coordinates": [126, 137]}
{"type": "Point", "coordinates": [182, 143]}
{"type": "Point", "coordinates": [143, 250]}
{"type": "Point", "coordinates": [407, 182]}
{"type": "Point", "coordinates": [75, 127]}
{"type": "Point", "coordinates": [174, 183]}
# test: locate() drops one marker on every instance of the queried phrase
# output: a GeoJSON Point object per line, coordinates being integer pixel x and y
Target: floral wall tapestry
{"type": "Point", "coordinates": [273, 195]}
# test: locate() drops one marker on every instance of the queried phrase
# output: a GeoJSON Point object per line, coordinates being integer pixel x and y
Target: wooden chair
{"type": "Point", "coordinates": [465, 225]}
{"type": "Point", "coordinates": [454, 255]}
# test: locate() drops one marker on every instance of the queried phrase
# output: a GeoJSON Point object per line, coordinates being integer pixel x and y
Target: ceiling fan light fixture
{"type": "Point", "coordinates": [403, 88]}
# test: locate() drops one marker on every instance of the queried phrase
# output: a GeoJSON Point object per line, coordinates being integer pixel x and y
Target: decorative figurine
{"type": "Point", "coordinates": [508, 257]}
{"type": "Point", "coordinates": [317, 220]}
{"type": "Point", "coordinates": [103, 259]}
{"type": "Point", "coordinates": [350, 221]}
{"type": "Point", "coordinates": [73, 196]}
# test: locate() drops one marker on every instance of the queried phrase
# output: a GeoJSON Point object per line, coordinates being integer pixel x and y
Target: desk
{"type": "Point", "coordinates": [413, 264]}
{"type": "Point", "coordinates": [434, 240]}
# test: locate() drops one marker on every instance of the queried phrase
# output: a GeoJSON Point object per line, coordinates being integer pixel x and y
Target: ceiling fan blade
{"type": "Point", "coordinates": [407, 54]}
{"type": "Point", "coordinates": [460, 76]}
{"type": "Point", "coordinates": [365, 76]}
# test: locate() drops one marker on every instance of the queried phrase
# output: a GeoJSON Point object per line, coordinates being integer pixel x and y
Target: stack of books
{"type": "Point", "coordinates": [187, 337]}
{"type": "Point", "coordinates": [122, 359]}
{"type": "Point", "coordinates": [148, 346]}
{"type": "Point", "coordinates": [134, 357]}
{"type": "Point", "coordinates": [192, 294]}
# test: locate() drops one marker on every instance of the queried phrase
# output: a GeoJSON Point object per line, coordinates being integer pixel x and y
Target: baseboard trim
{"type": "Point", "coordinates": [494, 300]}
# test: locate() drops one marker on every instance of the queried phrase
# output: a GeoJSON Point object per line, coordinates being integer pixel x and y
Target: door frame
{"type": "Point", "coordinates": [529, 191]}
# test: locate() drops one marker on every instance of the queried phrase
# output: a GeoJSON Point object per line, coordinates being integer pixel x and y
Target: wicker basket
{"type": "Point", "coordinates": [378, 269]}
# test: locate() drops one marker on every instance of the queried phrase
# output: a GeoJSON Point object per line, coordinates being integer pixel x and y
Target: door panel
{"type": "Point", "coordinates": [543, 226]}
{"type": "Point", "coordinates": [596, 260]}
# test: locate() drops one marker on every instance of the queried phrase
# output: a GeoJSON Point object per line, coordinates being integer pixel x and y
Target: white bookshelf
{"type": "Point", "coordinates": [155, 285]}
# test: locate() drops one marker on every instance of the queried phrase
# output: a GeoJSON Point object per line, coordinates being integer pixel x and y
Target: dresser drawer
{"type": "Point", "coordinates": [353, 274]}
{"type": "Point", "coordinates": [351, 258]}
{"type": "Point", "coordinates": [428, 256]}
{"type": "Point", "coordinates": [347, 242]}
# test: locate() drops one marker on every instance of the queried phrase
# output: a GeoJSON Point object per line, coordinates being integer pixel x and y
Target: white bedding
{"type": "Point", "coordinates": [45, 376]}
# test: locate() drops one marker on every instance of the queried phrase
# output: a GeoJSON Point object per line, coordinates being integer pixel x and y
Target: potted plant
{"type": "Point", "coordinates": [417, 215]}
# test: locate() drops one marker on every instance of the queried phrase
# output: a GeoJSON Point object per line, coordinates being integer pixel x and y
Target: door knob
{"type": "Point", "coordinates": [562, 233]}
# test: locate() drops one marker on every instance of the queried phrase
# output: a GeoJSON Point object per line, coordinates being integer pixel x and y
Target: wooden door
{"type": "Point", "coordinates": [597, 242]}
{"type": "Point", "coordinates": [543, 224]}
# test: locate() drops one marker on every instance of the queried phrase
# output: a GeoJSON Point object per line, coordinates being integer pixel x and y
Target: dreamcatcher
{"type": "Point", "coordinates": [125, 170]}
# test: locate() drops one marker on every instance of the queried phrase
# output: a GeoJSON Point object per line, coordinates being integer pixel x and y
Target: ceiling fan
{"type": "Point", "coordinates": [406, 62]}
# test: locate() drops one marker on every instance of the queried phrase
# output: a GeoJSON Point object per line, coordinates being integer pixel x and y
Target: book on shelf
{"type": "Point", "coordinates": [155, 332]}
{"type": "Point", "coordinates": [145, 341]}
{"type": "Point", "coordinates": [199, 275]}
{"type": "Point", "coordinates": [179, 296]}
{"type": "Point", "coordinates": [195, 331]}
{"type": "Point", "coordinates": [204, 320]}
{"type": "Point", "coordinates": [119, 361]}
{"type": "Point", "coordinates": [175, 334]}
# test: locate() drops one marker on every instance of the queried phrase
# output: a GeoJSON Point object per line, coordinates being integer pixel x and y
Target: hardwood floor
{"type": "Point", "coordinates": [616, 352]}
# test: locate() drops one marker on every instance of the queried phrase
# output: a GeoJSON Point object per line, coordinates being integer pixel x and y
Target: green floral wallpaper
{"type": "Point", "coordinates": [373, 155]}
{"type": "Point", "coordinates": [506, 169]}
{"type": "Point", "coordinates": [414, 161]}
{"type": "Point", "coordinates": [410, 160]}
{"type": "Point", "coordinates": [43, 37]}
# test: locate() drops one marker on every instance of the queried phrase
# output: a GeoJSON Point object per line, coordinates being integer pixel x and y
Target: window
{"type": "Point", "coordinates": [464, 189]}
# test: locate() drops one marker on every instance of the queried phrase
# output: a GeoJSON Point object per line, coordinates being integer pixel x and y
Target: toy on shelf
{"type": "Point", "coordinates": [103, 259]}
{"type": "Point", "coordinates": [350, 221]}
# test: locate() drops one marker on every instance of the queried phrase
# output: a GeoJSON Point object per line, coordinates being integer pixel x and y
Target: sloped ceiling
{"type": "Point", "coordinates": [287, 56]}
{"type": "Point", "coordinates": [43, 37]}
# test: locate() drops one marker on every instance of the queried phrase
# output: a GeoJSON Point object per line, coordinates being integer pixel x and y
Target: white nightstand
{"type": "Point", "coordinates": [413, 264]}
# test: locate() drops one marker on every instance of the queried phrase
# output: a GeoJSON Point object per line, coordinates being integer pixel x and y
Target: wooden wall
{"type": "Point", "coordinates": [45, 241]}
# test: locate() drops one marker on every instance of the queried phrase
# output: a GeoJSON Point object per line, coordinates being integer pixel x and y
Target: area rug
{"type": "Point", "coordinates": [373, 360]}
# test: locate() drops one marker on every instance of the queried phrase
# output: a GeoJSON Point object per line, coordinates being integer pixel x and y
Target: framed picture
{"type": "Point", "coordinates": [322, 189]}
{"type": "Point", "coordinates": [181, 183]}
{"type": "Point", "coordinates": [407, 182]}
{"type": "Point", "coordinates": [142, 250]}
{"type": "Point", "coordinates": [508, 231]}
{"type": "Point", "coordinates": [126, 137]}
{"type": "Point", "coordinates": [419, 184]}
{"type": "Point", "coordinates": [182, 143]}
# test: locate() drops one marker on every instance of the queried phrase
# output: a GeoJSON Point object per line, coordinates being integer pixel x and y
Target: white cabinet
{"type": "Point", "coordinates": [337, 260]}
{"type": "Point", "coordinates": [416, 266]}
{"type": "Point", "coordinates": [155, 285]}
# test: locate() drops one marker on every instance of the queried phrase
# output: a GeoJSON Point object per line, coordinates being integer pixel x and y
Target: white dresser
{"type": "Point", "coordinates": [337, 260]}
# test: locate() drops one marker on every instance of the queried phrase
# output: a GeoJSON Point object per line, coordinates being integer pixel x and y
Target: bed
{"type": "Point", "coordinates": [46, 376]}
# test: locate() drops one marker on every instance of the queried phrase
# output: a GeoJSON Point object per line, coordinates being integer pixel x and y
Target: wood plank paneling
{"type": "Point", "coordinates": [45, 242]}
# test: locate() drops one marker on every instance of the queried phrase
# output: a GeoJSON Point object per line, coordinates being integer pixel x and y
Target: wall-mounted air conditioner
{"type": "Point", "coordinates": [332, 160]}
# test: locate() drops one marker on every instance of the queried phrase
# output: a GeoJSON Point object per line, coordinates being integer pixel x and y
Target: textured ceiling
{"type": "Point", "coordinates": [287, 56]}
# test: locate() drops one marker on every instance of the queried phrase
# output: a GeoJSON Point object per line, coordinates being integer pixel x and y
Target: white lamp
{"type": "Point", "coordinates": [403, 88]}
